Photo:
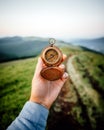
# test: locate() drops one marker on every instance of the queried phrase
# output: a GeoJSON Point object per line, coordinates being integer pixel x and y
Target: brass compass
{"type": "Point", "coordinates": [52, 58]}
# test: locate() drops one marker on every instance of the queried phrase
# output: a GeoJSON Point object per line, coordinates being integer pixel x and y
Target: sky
{"type": "Point", "coordinates": [63, 19]}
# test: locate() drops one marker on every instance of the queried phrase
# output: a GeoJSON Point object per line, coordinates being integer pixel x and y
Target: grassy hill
{"type": "Point", "coordinates": [72, 108]}
{"type": "Point", "coordinates": [80, 105]}
{"type": "Point", "coordinates": [15, 85]}
{"type": "Point", "coordinates": [86, 73]}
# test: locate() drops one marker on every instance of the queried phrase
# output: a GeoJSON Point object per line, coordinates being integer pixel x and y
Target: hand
{"type": "Point", "coordinates": [43, 91]}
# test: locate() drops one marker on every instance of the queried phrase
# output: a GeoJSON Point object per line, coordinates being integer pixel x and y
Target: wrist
{"type": "Point", "coordinates": [40, 103]}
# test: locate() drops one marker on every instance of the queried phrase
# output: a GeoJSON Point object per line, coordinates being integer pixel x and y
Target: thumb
{"type": "Point", "coordinates": [39, 66]}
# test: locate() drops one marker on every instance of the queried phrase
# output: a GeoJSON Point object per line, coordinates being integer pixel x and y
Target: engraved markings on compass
{"type": "Point", "coordinates": [51, 55]}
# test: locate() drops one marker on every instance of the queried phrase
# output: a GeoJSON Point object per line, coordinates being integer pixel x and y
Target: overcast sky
{"type": "Point", "coordinates": [52, 18]}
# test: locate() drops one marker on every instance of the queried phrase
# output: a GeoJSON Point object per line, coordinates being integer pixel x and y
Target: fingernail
{"type": "Point", "coordinates": [64, 55]}
{"type": "Point", "coordinates": [62, 66]}
{"type": "Point", "coordinates": [65, 75]}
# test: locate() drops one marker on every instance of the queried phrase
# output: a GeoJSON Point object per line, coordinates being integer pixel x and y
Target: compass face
{"type": "Point", "coordinates": [52, 56]}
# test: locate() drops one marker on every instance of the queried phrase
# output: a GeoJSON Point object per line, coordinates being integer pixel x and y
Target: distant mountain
{"type": "Point", "coordinates": [12, 48]}
{"type": "Point", "coordinates": [94, 44]}
{"type": "Point", "coordinates": [20, 47]}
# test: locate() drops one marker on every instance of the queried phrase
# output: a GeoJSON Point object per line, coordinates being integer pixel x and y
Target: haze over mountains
{"type": "Point", "coordinates": [94, 44]}
{"type": "Point", "coordinates": [22, 47]}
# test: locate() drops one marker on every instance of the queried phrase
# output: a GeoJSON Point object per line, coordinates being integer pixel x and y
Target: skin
{"type": "Point", "coordinates": [45, 92]}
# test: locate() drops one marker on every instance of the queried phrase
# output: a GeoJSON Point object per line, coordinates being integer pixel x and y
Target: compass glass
{"type": "Point", "coordinates": [51, 55]}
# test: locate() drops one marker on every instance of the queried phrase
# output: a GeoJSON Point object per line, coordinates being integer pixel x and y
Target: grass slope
{"type": "Point", "coordinates": [86, 72]}
{"type": "Point", "coordinates": [15, 85]}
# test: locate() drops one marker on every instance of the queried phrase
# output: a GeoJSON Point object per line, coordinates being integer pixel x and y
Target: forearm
{"type": "Point", "coordinates": [32, 116]}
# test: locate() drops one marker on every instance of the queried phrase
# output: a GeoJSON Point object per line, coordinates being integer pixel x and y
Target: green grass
{"type": "Point", "coordinates": [15, 86]}
{"type": "Point", "coordinates": [93, 65]}
{"type": "Point", "coordinates": [16, 77]}
{"type": "Point", "coordinates": [90, 68]}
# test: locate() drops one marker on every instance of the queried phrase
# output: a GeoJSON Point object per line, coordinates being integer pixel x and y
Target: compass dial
{"type": "Point", "coordinates": [51, 55]}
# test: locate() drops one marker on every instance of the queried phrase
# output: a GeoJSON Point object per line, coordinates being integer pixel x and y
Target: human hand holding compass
{"type": "Point", "coordinates": [49, 76]}
{"type": "Point", "coordinates": [43, 91]}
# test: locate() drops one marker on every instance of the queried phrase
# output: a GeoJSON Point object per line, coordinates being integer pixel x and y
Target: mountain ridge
{"type": "Point", "coordinates": [96, 44]}
{"type": "Point", "coordinates": [18, 47]}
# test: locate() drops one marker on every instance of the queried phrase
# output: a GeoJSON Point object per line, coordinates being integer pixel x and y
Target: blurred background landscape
{"type": "Point", "coordinates": [78, 27]}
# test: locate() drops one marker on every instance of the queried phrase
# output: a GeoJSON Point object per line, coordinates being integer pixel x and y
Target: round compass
{"type": "Point", "coordinates": [52, 58]}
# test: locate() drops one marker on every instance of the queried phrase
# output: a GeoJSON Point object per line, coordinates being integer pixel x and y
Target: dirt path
{"type": "Point", "coordinates": [84, 89]}
{"type": "Point", "coordinates": [88, 95]}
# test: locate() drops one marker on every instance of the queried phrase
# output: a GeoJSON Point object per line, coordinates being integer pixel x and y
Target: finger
{"type": "Point", "coordinates": [39, 65]}
{"type": "Point", "coordinates": [62, 66]}
{"type": "Point", "coordinates": [65, 76]}
{"type": "Point", "coordinates": [64, 57]}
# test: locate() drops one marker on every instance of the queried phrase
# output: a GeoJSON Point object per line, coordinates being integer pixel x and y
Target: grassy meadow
{"type": "Point", "coordinates": [15, 86]}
